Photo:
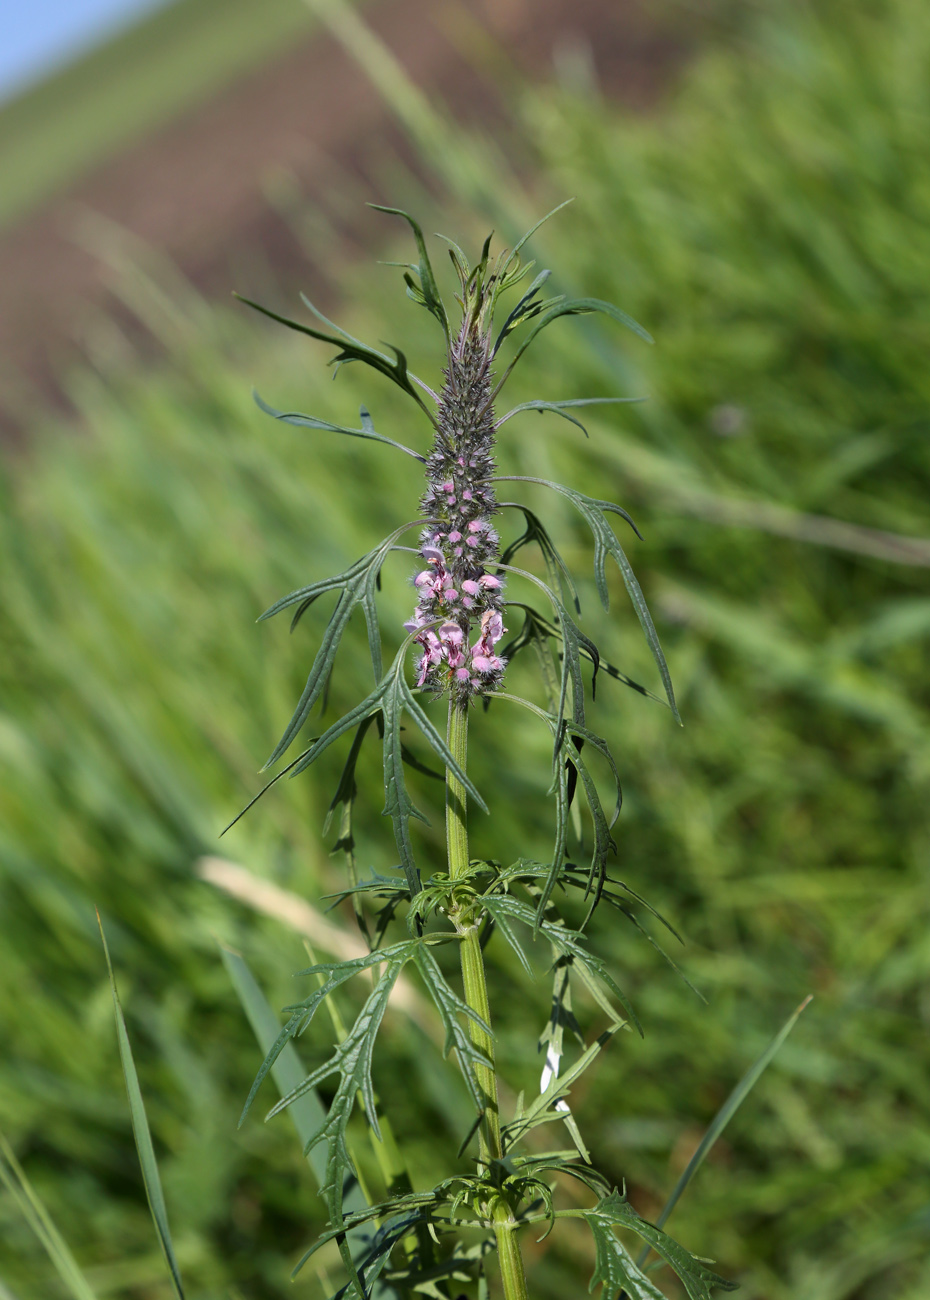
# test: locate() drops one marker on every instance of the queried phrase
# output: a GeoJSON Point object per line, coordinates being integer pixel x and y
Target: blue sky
{"type": "Point", "coordinates": [37, 36]}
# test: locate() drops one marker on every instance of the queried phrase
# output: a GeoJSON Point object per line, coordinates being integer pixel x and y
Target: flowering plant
{"type": "Point", "coordinates": [424, 1240]}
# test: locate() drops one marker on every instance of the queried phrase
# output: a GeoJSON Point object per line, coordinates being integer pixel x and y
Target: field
{"type": "Point", "coordinates": [771, 227]}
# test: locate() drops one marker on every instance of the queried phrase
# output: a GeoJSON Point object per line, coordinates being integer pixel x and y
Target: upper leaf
{"type": "Point", "coordinates": [429, 296]}
{"type": "Point", "coordinates": [358, 586]}
{"type": "Point", "coordinates": [606, 543]}
{"type": "Point", "coordinates": [313, 422]}
{"type": "Point", "coordinates": [573, 307]}
{"type": "Point", "coordinates": [350, 349]}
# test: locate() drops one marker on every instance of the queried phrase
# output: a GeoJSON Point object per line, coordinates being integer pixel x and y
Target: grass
{"type": "Point", "coordinates": [771, 229]}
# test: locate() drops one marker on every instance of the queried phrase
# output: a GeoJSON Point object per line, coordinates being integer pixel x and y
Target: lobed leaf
{"type": "Point", "coordinates": [606, 543]}
{"type": "Point", "coordinates": [568, 943]}
{"type": "Point", "coordinates": [504, 281]}
{"type": "Point", "coordinates": [350, 349]}
{"type": "Point", "coordinates": [699, 1282]}
{"type": "Point", "coordinates": [351, 1061]}
{"type": "Point", "coordinates": [359, 584]}
{"type": "Point", "coordinates": [524, 310]}
{"type": "Point", "coordinates": [303, 1012]}
{"type": "Point", "coordinates": [313, 422]}
{"type": "Point", "coordinates": [557, 571]}
{"type": "Point", "coordinates": [450, 1007]}
{"type": "Point", "coordinates": [429, 292]}
{"type": "Point", "coordinates": [573, 307]}
{"type": "Point", "coordinates": [614, 1267]}
{"type": "Point", "coordinates": [561, 408]}
{"type": "Point", "coordinates": [541, 1110]}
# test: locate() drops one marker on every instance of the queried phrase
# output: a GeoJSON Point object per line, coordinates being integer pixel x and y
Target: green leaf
{"type": "Point", "coordinates": [552, 1040]}
{"type": "Point", "coordinates": [142, 1133]}
{"type": "Point", "coordinates": [561, 408]}
{"type": "Point", "coordinates": [450, 1008]}
{"type": "Point", "coordinates": [350, 349]}
{"type": "Point", "coordinates": [359, 585]}
{"type": "Point", "coordinates": [606, 543]}
{"type": "Point", "coordinates": [614, 1267]}
{"type": "Point", "coordinates": [431, 299]}
{"type": "Point", "coordinates": [541, 1110]}
{"type": "Point", "coordinates": [351, 1062]}
{"type": "Point", "coordinates": [312, 422]}
{"type": "Point", "coordinates": [504, 281]}
{"type": "Point", "coordinates": [524, 309]}
{"type": "Point", "coordinates": [573, 641]}
{"type": "Point", "coordinates": [557, 571]}
{"type": "Point", "coordinates": [573, 307]}
{"type": "Point", "coordinates": [303, 1012]}
{"type": "Point", "coordinates": [343, 803]}
{"type": "Point", "coordinates": [698, 1281]}
{"type": "Point", "coordinates": [536, 632]}
{"type": "Point", "coordinates": [307, 1113]}
{"type": "Point", "coordinates": [568, 943]}
{"type": "Point", "coordinates": [370, 1263]}
{"type": "Point", "coordinates": [398, 697]}
{"type": "Point", "coordinates": [392, 696]}
{"type": "Point", "coordinates": [27, 1201]}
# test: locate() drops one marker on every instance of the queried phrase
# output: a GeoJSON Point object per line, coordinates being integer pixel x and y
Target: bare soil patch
{"type": "Point", "coordinates": [198, 189]}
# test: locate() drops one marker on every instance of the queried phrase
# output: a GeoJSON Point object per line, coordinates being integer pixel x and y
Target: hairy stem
{"type": "Point", "coordinates": [476, 995]}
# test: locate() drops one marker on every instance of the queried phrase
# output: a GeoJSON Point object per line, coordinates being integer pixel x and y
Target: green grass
{"type": "Point", "coordinates": [772, 229]}
{"type": "Point", "coordinates": [174, 60]}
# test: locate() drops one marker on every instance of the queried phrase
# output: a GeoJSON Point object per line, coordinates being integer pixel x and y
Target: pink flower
{"type": "Point", "coordinates": [488, 580]}
{"type": "Point", "coordinates": [471, 587]}
{"type": "Point", "coordinates": [432, 554]}
{"type": "Point", "coordinates": [492, 626]}
{"type": "Point", "coordinates": [452, 634]}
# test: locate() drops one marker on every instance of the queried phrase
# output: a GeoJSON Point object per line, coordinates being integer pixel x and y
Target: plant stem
{"type": "Point", "coordinates": [476, 995]}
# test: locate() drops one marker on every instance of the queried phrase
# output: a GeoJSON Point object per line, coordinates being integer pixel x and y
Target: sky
{"type": "Point", "coordinates": [38, 36]}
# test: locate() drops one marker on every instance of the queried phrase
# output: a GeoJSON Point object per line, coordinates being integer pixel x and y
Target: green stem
{"type": "Point", "coordinates": [476, 995]}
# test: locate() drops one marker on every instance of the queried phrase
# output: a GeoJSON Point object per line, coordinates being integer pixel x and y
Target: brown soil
{"type": "Point", "coordinates": [198, 189]}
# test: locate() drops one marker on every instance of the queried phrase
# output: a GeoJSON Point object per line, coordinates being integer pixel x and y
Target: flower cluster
{"type": "Point", "coordinates": [456, 593]}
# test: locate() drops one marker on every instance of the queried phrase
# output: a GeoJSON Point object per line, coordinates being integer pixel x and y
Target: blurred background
{"type": "Point", "coordinates": [750, 181]}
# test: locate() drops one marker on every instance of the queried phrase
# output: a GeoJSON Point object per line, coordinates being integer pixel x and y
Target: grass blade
{"type": "Point", "coordinates": [13, 1177]}
{"type": "Point", "coordinates": [142, 1133]}
{"type": "Point", "coordinates": [728, 1110]}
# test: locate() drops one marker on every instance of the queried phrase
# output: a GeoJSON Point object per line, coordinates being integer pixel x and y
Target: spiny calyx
{"type": "Point", "coordinates": [458, 619]}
